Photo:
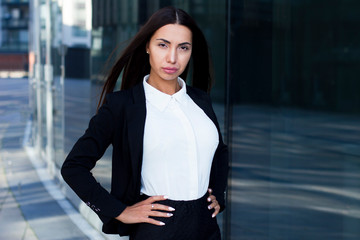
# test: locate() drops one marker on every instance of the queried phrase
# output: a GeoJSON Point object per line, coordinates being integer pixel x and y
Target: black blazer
{"type": "Point", "coordinates": [120, 122]}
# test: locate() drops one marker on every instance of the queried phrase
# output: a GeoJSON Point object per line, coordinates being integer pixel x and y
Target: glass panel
{"type": "Point", "coordinates": [36, 76]}
{"type": "Point", "coordinates": [58, 51]}
{"type": "Point", "coordinates": [296, 119]}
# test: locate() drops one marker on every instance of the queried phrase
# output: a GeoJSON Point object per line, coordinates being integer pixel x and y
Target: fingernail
{"type": "Point", "coordinates": [166, 197]}
{"type": "Point", "coordinates": [209, 207]}
{"type": "Point", "coordinates": [162, 224]}
{"type": "Point", "coordinates": [170, 214]}
{"type": "Point", "coordinates": [209, 199]}
{"type": "Point", "coordinates": [171, 209]}
{"type": "Point", "coordinates": [213, 215]}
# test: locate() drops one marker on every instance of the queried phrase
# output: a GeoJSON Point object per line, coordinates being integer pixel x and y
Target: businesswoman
{"type": "Point", "coordinates": [169, 162]}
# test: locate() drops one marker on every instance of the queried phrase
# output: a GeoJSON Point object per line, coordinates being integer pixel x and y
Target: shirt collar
{"type": "Point", "coordinates": [161, 100]}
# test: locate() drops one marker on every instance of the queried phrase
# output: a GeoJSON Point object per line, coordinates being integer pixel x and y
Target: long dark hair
{"type": "Point", "coordinates": [134, 61]}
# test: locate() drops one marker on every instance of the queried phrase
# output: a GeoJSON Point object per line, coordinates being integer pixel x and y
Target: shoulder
{"type": "Point", "coordinates": [116, 102]}
{"type": "Point", "coordinates": [118, 97]}
{"type": "Point", "coordinates": [126, 96]}
{"type": "Point", "coordinates": [197, 93]}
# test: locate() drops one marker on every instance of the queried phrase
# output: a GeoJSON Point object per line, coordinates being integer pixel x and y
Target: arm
{"type": "Point", "coordinates": [83, 157]}
{"type": "Point", "coordinates": [220, 166]}
{"type": "Point", "coordinates": [219, 174]}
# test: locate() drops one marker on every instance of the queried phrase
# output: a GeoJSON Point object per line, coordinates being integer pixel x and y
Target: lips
{"type": "Point", "coordinates": [170, 70]}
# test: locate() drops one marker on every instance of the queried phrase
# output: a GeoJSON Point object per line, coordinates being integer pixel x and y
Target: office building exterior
{"type": "Point", "coordinates": [286, 93]}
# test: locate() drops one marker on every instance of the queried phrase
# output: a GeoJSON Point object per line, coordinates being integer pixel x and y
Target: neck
{"type": "Point", "coordinates": [169, 87]}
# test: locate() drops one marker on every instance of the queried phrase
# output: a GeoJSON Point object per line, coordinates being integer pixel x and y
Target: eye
{"type": "Point", "coordinates": [162, 45]}
{"type": "Point", "coordinates": [184, 48]}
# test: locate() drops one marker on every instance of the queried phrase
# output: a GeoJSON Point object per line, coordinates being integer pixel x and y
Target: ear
{"type": "Point", "coordinates": [147, 47]}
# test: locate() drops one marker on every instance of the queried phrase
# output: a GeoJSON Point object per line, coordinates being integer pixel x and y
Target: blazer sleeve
{"type": "Point", "coordinates": [76, 169]}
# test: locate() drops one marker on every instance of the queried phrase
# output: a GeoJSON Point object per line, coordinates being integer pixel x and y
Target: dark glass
{"type": "Point", "coordinates": [295, 101]}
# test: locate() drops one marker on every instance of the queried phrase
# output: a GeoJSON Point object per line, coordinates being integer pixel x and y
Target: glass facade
{"type": "Point", "coordinates": [286, 95]}
{"type": "Point", "coordinates": [295, 123]}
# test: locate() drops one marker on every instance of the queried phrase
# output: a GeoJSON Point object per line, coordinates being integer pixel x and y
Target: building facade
{"type": "Point", "coordinates": [14, 41]}
{"type": "Point", "coordinates": [286, 95]}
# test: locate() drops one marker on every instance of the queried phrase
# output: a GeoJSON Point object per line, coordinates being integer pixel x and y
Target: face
{"type": "Point", "coordinates": [169, 52]}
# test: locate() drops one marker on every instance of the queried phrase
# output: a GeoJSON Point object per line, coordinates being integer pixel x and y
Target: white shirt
{"type": "Point", "coordinates": [179, 145]}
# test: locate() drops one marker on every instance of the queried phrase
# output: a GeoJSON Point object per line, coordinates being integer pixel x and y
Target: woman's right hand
{"type": "Point", "coordinates": [142, 211]}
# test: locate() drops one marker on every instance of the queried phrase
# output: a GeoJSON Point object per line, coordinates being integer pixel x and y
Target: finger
{"type": "Point", "coordinates": [162, 207]}
{"type": "Point", "coordinates": [210, 190]}
{"type": "Point", "coordinates": [155, 198]}
{"type": "Point", "coordinates": [213, 205]}
{"type": "Point", "coordinates": [152, 206]}
{"type": "Point", "coordinates": [211, 198]}
{"type": "Point", "coordinates": [217, 210]}
{"type": "Point", "coordinates": [160, 214]}
{"type": "Point", "coordinates": [153, 221]}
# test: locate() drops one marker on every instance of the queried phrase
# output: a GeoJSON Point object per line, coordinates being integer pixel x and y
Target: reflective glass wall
{"type": "Point", "coordinates": [295, 123]}
{"type": "Point", "coordinates": [286, 95]}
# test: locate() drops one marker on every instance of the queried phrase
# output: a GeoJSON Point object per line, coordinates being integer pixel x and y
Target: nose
{"type": "Point", "coordinates": [172, 55]}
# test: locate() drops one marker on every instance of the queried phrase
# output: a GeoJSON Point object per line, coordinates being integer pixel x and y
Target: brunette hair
{"type": "Point", "coordinates": [134, 61]}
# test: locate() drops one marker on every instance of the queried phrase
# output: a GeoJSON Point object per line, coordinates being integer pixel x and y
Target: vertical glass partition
{"type": "Point", "coordinates": [36, 76]}
{"type": "Point", "coordinates": [58, 53]}
{"type": "Point", "coordinates": [46, 78]}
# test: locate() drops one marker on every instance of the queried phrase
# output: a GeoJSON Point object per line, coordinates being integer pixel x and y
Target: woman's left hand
{"type": "Point", "coordinates": [214, 203]}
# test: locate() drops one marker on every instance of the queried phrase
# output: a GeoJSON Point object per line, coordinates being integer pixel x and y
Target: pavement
{"type": "Point", "coordinates": [32, 205]}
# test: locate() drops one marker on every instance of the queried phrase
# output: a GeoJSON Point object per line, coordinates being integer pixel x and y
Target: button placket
{"type": "Point", "coordinates": [192, 151]}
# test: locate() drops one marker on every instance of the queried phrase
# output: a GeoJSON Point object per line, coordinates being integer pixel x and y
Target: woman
{"type": "Point", "coordinates": [169, 163]}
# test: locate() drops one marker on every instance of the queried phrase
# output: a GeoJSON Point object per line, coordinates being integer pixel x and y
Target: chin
{"type": "Point", "coordinates": [170, 78]}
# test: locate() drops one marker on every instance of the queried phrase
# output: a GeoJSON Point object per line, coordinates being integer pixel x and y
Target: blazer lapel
{"type": "Point", "coordinates": [135, 118]}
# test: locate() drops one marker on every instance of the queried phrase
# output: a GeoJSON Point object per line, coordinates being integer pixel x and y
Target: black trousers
{"type": "Point", "coordinates": [191, 221]}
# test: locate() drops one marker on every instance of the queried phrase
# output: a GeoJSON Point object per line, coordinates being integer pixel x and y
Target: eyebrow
{"type": "Point", "coordinates": [180, 44]}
